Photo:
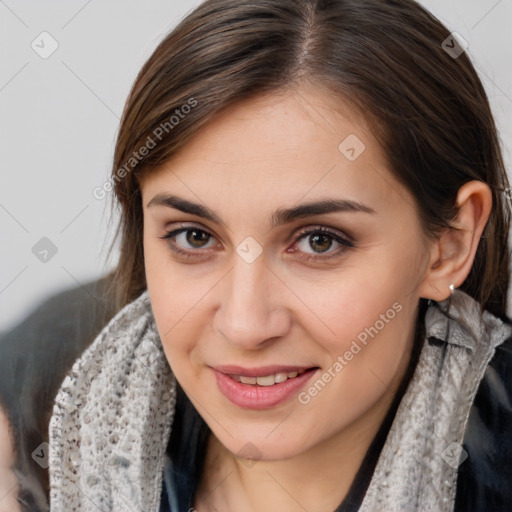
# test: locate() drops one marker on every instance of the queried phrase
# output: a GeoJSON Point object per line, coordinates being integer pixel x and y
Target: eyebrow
{"type": "Point", "coordinates": [278, 217]}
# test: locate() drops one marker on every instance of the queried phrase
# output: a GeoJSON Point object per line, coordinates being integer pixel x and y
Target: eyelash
{"type": "Point", "coordinates": [304, 233]}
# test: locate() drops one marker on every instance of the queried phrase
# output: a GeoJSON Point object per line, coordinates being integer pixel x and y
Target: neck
{"type": "Point", "coordinates": [316, 480]}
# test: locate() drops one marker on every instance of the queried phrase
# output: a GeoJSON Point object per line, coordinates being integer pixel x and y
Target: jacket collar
{"type": "Point", "coordinates": [418, 465]}
{"type": "Point", "coordinates": [459, 321]}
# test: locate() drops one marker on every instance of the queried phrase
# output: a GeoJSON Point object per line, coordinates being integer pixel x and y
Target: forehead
{"type": "Point", "coordinates": [280, 128]}
{"type": "Point", "coordinates": [278, 149]}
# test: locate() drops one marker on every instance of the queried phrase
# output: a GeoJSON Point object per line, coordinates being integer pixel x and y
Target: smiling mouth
{"type": "Point", "coordinates": [261, 388]}
{"type": "Point", "coordinates": [268, 380]}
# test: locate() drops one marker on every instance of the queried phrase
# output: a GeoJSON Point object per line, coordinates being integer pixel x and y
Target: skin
{"type": "Point", "coordinates": [214, 308]}
{"type": "Point", "coordinates": [8, 482]}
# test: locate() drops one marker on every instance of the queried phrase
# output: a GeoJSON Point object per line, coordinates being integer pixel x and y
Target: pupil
{"type": "Point", "coordinates": [195, 237]}
{"type": "Point", "coordinates": [318, 239]}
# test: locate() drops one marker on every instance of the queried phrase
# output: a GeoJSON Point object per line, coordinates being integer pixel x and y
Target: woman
{"type": "Point", "coordinates": [313, 275]}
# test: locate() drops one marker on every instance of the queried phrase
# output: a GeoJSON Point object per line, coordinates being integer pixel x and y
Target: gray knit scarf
{"type": "Point", "coordinates": [114, 411]}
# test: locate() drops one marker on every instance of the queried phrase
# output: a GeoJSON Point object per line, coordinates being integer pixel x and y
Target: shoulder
{"type": "Point", "coordinates": [484, 478]}
{"type": "Point", "coordinates": [34, 358]}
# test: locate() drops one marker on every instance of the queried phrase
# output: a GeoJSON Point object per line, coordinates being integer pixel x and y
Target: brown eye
{"type": "Point", "coordinates": [315, 244]}
{"type": "Point", "coordinates": [320, 242]}
{"type": "Point", "coordinates": [188, 240]}
{"type": "Point", "coordinates": [197, 238]}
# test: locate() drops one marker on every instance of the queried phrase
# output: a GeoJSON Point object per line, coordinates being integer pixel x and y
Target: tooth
{"type": "Point", "coordinates": [292, 375]}
{"type": "Point", "coordinates": [268, 380]}
{"type": "Point", "coordinates": [248, 380]}
{"type": "Point", "coordinates": [280, 377]}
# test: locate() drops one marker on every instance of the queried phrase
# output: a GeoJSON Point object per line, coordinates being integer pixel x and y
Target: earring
{"type": "Point", "coordinates": [452, 288]}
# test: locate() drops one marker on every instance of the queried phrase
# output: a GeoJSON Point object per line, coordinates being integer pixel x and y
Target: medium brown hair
{"type": "Point", "coordinates": [429, 110]}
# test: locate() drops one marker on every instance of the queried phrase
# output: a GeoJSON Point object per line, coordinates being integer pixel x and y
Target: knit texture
{"type": "Point", "coordinates": [112, 418]}
{"type": "Point", "coordinates": [417, 468]}
{"type": "Point", "coordinates": [114, 411]}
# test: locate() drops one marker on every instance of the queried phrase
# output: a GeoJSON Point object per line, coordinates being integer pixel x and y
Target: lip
{"type": "Point", "coordinates": [261, 371]}
{"type": "Point", "coordinates": [247, 396]}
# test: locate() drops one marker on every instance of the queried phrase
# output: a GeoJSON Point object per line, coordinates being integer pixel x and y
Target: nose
{"type": "Point", "coordinates": [252, 308]}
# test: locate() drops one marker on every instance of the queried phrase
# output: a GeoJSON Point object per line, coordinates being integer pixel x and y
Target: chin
{"type": "Point", "coordinates": [257, 448]}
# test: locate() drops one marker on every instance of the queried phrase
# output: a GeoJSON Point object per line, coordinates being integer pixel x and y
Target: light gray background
{"type": "Point", "coordinates": [59, 118]}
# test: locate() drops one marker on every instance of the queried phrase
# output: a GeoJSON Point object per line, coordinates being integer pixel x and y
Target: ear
{"type": "Point", "coordinates": [453, 253]}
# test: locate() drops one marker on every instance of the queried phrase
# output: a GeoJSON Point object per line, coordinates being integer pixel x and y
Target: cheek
{"type": "Point", "coordinates": [168, 293]}
{"type": "Point", "coordinates": [178, 299]}
{"type": "Point", "coordinates": [357, 304]}
{"type": "Point", "coordinates": [168, 288]}
{"type": "Point", "coordinates": [367, 359]}
{"type": "Point", "coordinates": [364, 321]}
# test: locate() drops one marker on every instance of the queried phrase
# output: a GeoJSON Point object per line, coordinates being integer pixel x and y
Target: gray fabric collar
{"type": "Point", "coordinates": [113, 414]}
{"type": "Point", "coordinates": [111, 419]}
{"type": "Point", "coordinates": [417, 468]}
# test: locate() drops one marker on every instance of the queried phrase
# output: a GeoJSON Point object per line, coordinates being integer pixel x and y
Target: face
{"type": "Point", "coordinates": [283, 262]}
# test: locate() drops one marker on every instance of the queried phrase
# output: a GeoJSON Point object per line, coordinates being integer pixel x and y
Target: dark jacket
{"type": "Point", "coordinates": [34, 359]}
